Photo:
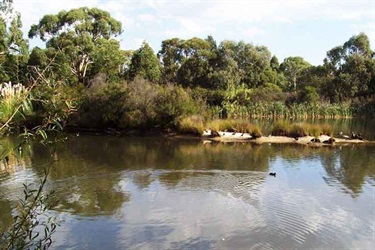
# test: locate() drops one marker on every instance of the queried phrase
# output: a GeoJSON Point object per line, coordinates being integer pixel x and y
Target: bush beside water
{"type": "Point", "coordinates": [143, 105]}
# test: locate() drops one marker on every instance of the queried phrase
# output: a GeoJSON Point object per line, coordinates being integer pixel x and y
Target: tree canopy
{"type": "Point", "coordinates": [77, 35]}
{"type": "Point", "coordinates": [13, 47]}
{"type": "Point", "coordinates": [350, 69]}
{"type": "Point", "coordinates": [145, 64]}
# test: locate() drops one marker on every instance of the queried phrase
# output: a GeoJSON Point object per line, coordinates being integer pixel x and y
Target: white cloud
{"type": "Point", "coordinates": [132, 43]}
{"type": "Point", "coordinates": [147, 18]}
{"type": "Point", "coordinates": [251, 32]}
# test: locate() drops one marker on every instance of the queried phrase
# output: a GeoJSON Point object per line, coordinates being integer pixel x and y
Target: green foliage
{"type": "Point", "coordinates": [284, 128]}
{"type": "Point", "coordinates": [313, 130]}
{"type": "Point", "coordinates": [281, 128]}
{"type": "Point", "coordinates": [107, 59]}
{"type": "Point", "coordinates": [170, 56]}
{"type": "Point", "coordinates": [83, 36]}
{"type": "Point", "coordinates": [350, 69]}
{"type": "Point", "coordinates": [193, 124]}
{"type": "Point", "coordinates": [283, 110]}
{"type": "Point", "coordinates": [293, 68]}
{"type": "Point", "coordinates": [308, 95]}
{"type": "Point", "coordinates": [274, 63]}
{"type": "Point", "coordinates": [13, 47]}
{"type": "Point", "coordinates": [296, 130]}
{"type": "Point", "coordinates": [195, 66]}
{"type": "Point", "coordinates": [138, 104]}
{"type": "Point", "coordinates": [145, 64]}
{"type": "Point", "coordinates": [326, 129]}
{"type": "Point", "coordinates": [103, 106]}
{"type": "Point", "coordinates": [171, 104]}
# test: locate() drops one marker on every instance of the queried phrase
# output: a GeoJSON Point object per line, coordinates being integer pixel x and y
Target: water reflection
{"type": "Point", "coordinates": [119, 192]}
{"type": "Point", "coordinates": [351, 166]}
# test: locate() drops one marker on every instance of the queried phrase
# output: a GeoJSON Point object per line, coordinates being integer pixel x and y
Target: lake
{"type": "Point", "coordinates": [159, 193]}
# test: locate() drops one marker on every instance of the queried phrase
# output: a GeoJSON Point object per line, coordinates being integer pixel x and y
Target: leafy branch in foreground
{"type": "Point", "coordinates": [33, 226]}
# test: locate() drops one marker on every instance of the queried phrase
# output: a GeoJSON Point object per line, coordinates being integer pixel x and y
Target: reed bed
{"type": "Point", "coordinates": [284, 128]}
{"type": "Point", "coordinates": [196, 124]}
{"type": "Point", "coordinates": [192, 125]}
{"type": "Point", "coordinates": [234, 125]}
{"type": "Point", "coordinates": [295, 110]}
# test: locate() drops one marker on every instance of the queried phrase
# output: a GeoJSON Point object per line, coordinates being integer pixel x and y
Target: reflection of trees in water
{"type": "Point", "coordinates": [82, 186]}
{"type": "Point", "coordinates": [156, 153]}
{"type": "Point", "coordinates": [6, 219]}
{"type": "Point", "coordinates": [17, 160]}
{"type": "Point", "coordinates": [88, 169]}
{"type": "Point", "coordinates": [350, 166]}
{"type": "Point", "coordinates": [16, 157]}
{"type": "Point", "coordinates": [142, 179]}
{"type": "Point", "coordinates": [104, 155]}
{"type": "Point", "coordinates": [244, 185]}
{"type": "Point", "coordinates": [171, 179]}
{"type": "Point", "coordinates": [90, 196]}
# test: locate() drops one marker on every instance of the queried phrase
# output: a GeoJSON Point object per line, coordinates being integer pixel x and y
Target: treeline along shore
{"type": "Point", "coordinates": [83, 80]}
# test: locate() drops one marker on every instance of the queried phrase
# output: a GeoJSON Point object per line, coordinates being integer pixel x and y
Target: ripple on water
{"type": "Point", "coordinates": [277, 219]}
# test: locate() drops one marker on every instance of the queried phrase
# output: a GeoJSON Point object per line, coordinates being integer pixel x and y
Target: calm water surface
{"type": "Point", "coordinates": [156, 193]}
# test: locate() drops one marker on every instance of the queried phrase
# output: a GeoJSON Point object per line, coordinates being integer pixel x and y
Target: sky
{"type": "Point", "coordinates": [307, 28]}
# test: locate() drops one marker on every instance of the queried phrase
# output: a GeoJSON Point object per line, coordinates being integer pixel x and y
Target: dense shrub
{"type": "Point", "coordinates": [104, 107]}
{"type": "Point", "coordinates": [171, 104]}
{"type": "Point", "coordinates": [192, 125]}
{"type": "Point", "coordinates": [308, 95]}
{"type": "Point", "coordinates": [138, 104]}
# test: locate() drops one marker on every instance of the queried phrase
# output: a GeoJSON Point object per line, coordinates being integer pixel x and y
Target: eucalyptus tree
{"type": "Point", "coordinates": [76, 36]}
{"type": "Point", "coordinates": [108, 58]}
{"type": "Point", "coordinates": [253, 61]}
{"type": "Point", "coordinates": [194, 69]}
{"type": "Point", "coordinates": [226, 74]}
{"type": "Point", "coordinates": [145, 64]}
{"type": "Point", "coordinates": [170, 56]}
{"type": "Point", "coordinates": [293, 69]}
{"type": "Point", "coordinates": [240, 63]}
{"type": "Point", "coordinates": [350, 69]}
{"type": "Point", "coordinates": [188, 62]}
{"type": "Point", "coordinates": [13, 47]}
{"type": "Point", "coordinates": [274, 63]}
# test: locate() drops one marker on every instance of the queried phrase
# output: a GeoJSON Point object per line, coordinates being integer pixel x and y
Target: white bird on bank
{"type": "Point", "coordinates": [344, 136]}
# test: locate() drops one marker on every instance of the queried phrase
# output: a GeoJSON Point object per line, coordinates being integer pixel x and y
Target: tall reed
{"type": "Point", "coordinates": [282, 110]}
{"type": "Point", "coordinates": [285, 128]}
